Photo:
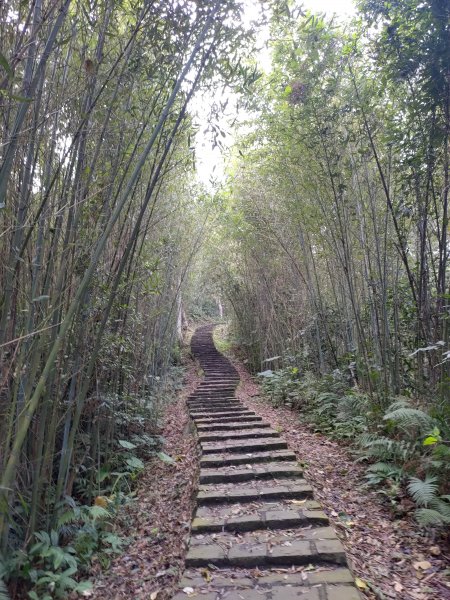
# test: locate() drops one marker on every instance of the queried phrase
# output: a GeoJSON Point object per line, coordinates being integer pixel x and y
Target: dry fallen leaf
{"type": "Point", "coordinates": [422, 564]}
{"type": "Point", "coordinates": [360, 584]}
{"type": "Point", "coordinates": [154, 595]}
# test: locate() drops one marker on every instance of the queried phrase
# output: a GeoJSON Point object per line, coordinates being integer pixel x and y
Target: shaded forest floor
{"type": "Point", "coordinates": [392, 557]}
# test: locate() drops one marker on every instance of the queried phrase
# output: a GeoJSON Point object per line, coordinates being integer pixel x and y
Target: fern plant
{"type": "Point", "coordinates": [385, 449]}
{"type": "Point", "coordinates": [47, 567]}
{"type": "Point", "coordinates": [4, 594]}
{"type": "Point", "coordinates": [381, 472]}
{"type": "Point", "coordinates": [409, 419]}
{"type": "Point", "coordinates": [434, 509]}
{"type": "Point", "coordinates": [423, 492]}
{"type": "Point", "coordinates": [406, 441]}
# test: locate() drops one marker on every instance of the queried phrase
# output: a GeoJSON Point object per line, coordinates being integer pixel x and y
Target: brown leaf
{"type": "Point", "coordinates": [422, 564]}
{"type": "Point", "coordinates": [435, 550]}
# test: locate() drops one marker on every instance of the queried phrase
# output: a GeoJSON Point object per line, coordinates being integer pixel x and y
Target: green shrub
{"type": "Point", "coordinates": [399, 447]}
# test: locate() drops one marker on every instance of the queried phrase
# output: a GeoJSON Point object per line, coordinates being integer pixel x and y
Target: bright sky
{"type": "Point", "coordinates": [211, 162]}
{"type": "Point", "coordinates": [340, 7]}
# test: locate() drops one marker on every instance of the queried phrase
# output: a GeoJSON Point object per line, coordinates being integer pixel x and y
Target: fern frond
{"type": "Point", "coordinates": [442, 506]}
{"type": "Point", "coordinates": [98, 512]}
{"type": "Point", "coordinates": [423, 492]}
{"type": "Point", "coordinates": [327, 397]}
{"type": "Point", "coordinates": [325, 408]}
{"type": "Point", "coordinates": [400, 402]}
{"type": "Point", "coordinates": [4, 594]}
{"type": "Point", "coordinates": [385, 469]}
{"type": "Point", "coordinates": [384, 449]}
{"type": "Point", "coordinates": [367, 438]}
{"type": "Point", "coordinates": [68, 517]}
{"type": "Point", "coordinates": [410, 418]}
{"type": "Point", "coordinates": [428, 516]}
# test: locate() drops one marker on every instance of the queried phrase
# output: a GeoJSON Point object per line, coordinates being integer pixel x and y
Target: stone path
{"type": "Point", "coordinates": [258, 533]}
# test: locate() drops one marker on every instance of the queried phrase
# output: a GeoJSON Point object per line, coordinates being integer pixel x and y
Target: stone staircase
{"type": "Point", "coordinates": [258, 533]}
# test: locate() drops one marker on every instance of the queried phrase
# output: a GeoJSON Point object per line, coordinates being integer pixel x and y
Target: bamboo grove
{"type": "Point", "coordinates": [335, 221]}
{"type": "Point", "coordinates": [338, 203]}
{"type": "Point", "coordinates": [100, 220]}
{"type": "Point", "coordinates": [328, 243]}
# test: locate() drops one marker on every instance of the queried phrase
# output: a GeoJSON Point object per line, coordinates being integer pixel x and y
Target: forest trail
{"type": "Point", "coordinates": [254, 508]}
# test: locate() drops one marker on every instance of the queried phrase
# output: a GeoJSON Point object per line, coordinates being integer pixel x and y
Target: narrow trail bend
{"type": "Point", "coordinates": [258, 533]}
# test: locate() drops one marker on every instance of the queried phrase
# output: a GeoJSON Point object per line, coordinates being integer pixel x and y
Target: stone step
{"type": "Point", "coordinates": [276, 592]}
{"type": "Point", "coordinates": [226, 413]}
{"type": "Point", "coordinates": [245, 445]}
{"type": "Point", "coordinates": [315, 546]}
{"type": "Point", "coordinates": [214, 402]}
{"type": "Point", "coordinates": [210, 392]}
{"type": "Point", "coordinates": [212, 419]}
{"type": "Point", "coordinates": [237, 435]}
{"type": "Point", "coordinates": [218, 380]}
{"type": "Point", "coordinates": [283, 518]}
{"type": "Point", "coordinates": [218, 411]}
{"type": "Point", "coordinates": [236, 509]}
{"type": "Point", "coordinates": [214, 373]}
{"type": "Point", "coordinates": [330, 583]}
{"type": "Point", "coordinates": [215, 409]}
{"type": "Point", "coordinates": [195, 398]}
{"type": "Point", "coordinates": [222, 459]}
{"type": "Point", "coordinates": [214, 397]}
{"type": "Point", "coordinates": [216, 405]}
{"type": "Point", "coordinates": [296, 489]}
{"type": "Point", "coordinates": [215, 388]}
{"type": "Point", "coordinates": [231, 425]}
{"type": "Point", "coordinates": [249, 473]}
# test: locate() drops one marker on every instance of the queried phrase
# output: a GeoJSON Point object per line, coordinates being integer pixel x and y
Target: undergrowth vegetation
{"type": "Point", "coordinates": [56, 561]}
{"type": "Point", "coordinates": [405, 448]}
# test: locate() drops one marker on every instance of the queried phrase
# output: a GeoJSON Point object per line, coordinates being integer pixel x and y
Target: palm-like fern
{"type": "Point", "coordinates": [352, 405]}
{"type": "Point", "coordinates": [423, 492]}
{"type": "Point", "coordinates": [434, 509]}
{"type": "Point", "coordinates": [385, 449]}
{"type": "Point", "coordinates": [4, 595]}
{"type": "Point", "coordinates": [407, 418]}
